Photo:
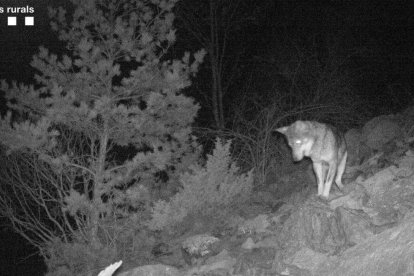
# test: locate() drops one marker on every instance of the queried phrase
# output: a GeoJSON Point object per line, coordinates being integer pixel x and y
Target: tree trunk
{"type": "Point", "coordinates": [97, 190]}
{"type": "Point", "coordinates": [216, 89]}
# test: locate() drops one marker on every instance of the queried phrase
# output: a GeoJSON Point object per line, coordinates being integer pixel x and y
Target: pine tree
{"type": "Point", "coordinates": [105, 123]}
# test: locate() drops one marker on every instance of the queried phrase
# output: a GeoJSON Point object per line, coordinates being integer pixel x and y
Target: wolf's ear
{"type": "Point", "coordinates": [282, 129]}
{"type": "Point", "coordinates": [302, 125]}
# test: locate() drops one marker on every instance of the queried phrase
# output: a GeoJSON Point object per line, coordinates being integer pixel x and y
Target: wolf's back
{"type": "Point", "coordinates": [328, 141]}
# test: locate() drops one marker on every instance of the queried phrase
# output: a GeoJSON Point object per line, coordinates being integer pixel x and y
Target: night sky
{"type": "Point", "coordinates": [385, 29]}
{"type": "Point", "coordinates": [19, 43]}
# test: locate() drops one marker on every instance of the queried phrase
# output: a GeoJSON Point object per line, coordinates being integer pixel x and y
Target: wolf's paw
{"type": "Point", "coordinates": [323, 198]}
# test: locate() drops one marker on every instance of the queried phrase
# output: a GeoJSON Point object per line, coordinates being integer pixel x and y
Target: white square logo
{"type": "Point", "coordinates": [11, 21]}
{"type": "Point", "coordinates": [29, 21]}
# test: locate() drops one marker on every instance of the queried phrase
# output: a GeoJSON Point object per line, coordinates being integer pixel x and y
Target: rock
{"type": "Point", "coordinates": [307, 259]}
{"type": "Point", "coordinates": [356, 199]}
{"type": "Point", "coordinates": [161, 249]}
{"type": "Point", "coordinates": [389, 253]}
{"type": "Point", "coordinates": [391, 189]}
{"type": "Point", "coordinates": [258, 261]}
{"type": "Point", "coordinates": [256, 225]}
{"type": "Point", "coordinates": [283, 214]}
{"type": "Point", "coordinates": [270, 241]}
{"type": "Point", "coordinates": [379, 131]}
{"type": "Point", "coordinates": [248, 244]}
{"type": "Point", "coordinates": [382, 217]}
{"type": "Point", "coordinates": [406, 163]}
{"type": "Point", "coordinates": [353, 138]}
{"type": "Point", "coordinates": [152, 270]}
{"type": "Point", "coordinates": [198, 246]}
{"type": "Point", "coordinates": [218, 265]}
{"type": "Point", "coordinates": [379, 182]}
{"type": "Point", "coordinates": [356, 225]}
{"type": "Point", "coordinates": [315, 226]}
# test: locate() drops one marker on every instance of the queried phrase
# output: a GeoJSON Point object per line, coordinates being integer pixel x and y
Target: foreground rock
{"type": "Point", "coordinates": [152, 270]}
{"type": "Point", "coordinates": [387, 254]}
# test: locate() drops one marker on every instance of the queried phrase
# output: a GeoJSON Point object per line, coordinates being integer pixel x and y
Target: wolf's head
{"type": "Point", "coordinates": [299, 138]}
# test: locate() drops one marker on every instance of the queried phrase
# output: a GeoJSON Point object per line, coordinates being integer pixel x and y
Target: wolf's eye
{"type": "Point", "coordinates": [298, 141]}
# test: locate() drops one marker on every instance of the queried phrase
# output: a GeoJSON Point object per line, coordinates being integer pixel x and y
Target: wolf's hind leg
{"type": "Point", "coordinates": [341, 169]}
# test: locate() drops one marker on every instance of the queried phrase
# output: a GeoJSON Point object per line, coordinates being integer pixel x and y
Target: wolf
{"type": "Point", "coordinates": [325, 146]}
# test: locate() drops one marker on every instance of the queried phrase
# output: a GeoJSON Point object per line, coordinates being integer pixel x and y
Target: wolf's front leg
{"type": "Point", "coordinates": [318, 169]}
{"type": "Point", "coordinates": [329, 179]}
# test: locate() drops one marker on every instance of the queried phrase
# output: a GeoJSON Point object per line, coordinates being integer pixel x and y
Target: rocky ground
{"type": "Point", "coordinates": [368, 229]}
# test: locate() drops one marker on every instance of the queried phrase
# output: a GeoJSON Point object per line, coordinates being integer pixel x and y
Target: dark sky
{"type": "Point", "coordinates": [19, 43]}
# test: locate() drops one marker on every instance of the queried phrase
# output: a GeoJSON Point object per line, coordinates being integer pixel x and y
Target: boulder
{"type": "Point", "coordinates": [389, 253]}
{"type": "Point", "coordinates": [379, 131]}
{"type": "Point", "coordinates": [353, 138]}
{"type": "Point", "coordinates": [152, 270]}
